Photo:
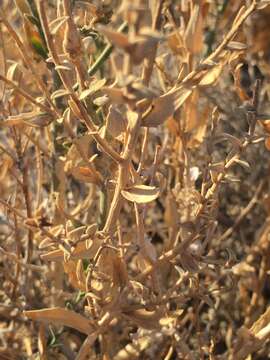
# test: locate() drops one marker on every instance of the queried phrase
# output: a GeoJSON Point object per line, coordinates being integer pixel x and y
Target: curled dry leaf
{"type": "Point", "coordinates": [14, 71]}
{"type": "Point", "coordinates": [141, 194]}
{"type": "Point", "coordinates": [60, 316]}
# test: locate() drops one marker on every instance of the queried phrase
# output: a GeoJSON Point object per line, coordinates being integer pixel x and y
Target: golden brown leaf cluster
{"type": "Point", "coordinates": [134, 191]}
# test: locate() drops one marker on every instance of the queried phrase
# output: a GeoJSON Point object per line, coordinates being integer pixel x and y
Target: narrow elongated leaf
{"type": "Point", "coordinates": [236, 45]}
{"type": "Point", "coordinates": [60, 316]}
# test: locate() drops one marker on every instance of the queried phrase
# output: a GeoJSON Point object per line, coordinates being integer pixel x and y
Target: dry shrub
{"type": "Point", "coordinates": [134, 142]}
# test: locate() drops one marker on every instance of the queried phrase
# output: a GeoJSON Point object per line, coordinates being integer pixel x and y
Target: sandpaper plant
{"type": "Point", "coordinates": [134, 179]}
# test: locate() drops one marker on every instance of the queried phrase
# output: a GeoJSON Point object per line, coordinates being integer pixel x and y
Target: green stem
{"type": "Point", "coordinates": [102, 57]}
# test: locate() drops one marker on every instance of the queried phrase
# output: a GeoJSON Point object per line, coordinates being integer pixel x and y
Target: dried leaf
{"type": "Point", "coordinates": [38, 119]}
{"type": "Point", "coordinates": [176, 43]}
{"type": "Point", "coordinates": [82, 250]}
{"type": "Point", "coordinates": [171, 217]}
{"type": "Point", "coordinates": [262, 4]}
{"type": "Point", "coordinates": [194, 31]}
{"type": "Point", "coordinates": [95, 86]}
{"type": "Point", "coordinates": [145, 319]}
{"type": "Point", "coordinates": [198, 134]}
{"type": "Point", "coordinates": [70, 268]}
{"type": "Point", "coordinates": [23, 6]}
{"type": "Point", "coordinates": [13, 72]}
{"type": "Point", "coordinates": [120, 275]}
{"type": "Point", "coordinates": [267, 143]}
{"type": "Point", "coordinates": [133, 351]}
{"type": "Point", "coordinates": [101, 101]}
{"type": "Point", "coordinates": [141, 194]}
{"type": "Point", "coordinates": [115, 122]}
{"type": "Point", "coordinates": [191, 111]}
{"type": "Point", "coordinates": [236, 46]}
{"type": "Point", "coordinates": [211, 76]}
{"type": "Point", "coordinates": [59, 93]}
{"type": "Point", "coordinates": [139, 48]}
{"type": "Point", "coordinates": [86, 174]}
{"type": "Point", "coordinates": [115, 94]}
{"type": "Point", "coordinates": [243, 163]}
{"type": "Point", "coordinates": [116, 38]}
{"type": "Point", "coordinates": [164, 107]}
{"type": "Point", "coordinates": [60, 316]}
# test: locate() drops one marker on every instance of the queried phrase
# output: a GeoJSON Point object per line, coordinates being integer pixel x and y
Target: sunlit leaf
{"type": "Point", "coordinates": [141, 194]}
{"type": "Point", "coordinates": [61, 316]}
{"type": "Point", "coordinates": [164, 107]}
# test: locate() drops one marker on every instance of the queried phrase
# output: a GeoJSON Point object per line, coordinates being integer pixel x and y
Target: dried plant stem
{"type": "Point", "coordinates": [23, 167]}
{"type": "Point", "coordinates": [229, 36]}
{"type": "Point", "coordinates": [76, 59]}
{"type": "Point", "coordinates": [21, 263]}
{"type": "Point", "coordinates": [104, 54]}
{"type": "Point", "coordinates": [123, 170]}
{"type": "Point", "coordinates": [87, 345]}
{"type": "Point", "coordinates": [144, 149]}
{"type": "Point", "coordinates": [83, 115]}
{"type": "Point", "coordinates": [37, 143]}
{"type": "Point", "coordinates": [40, 172]}
{"type": "Point", "coordinates": [10, 208]}
{"type": "Point", "coordinates": [8, 153]}
{"type": "Point", "coordinates": [263, 273]}
{"type": "Point", "coordinates": [149, 62]}
{"type": "Point", "coordinates": [25, 94]}
{"type": "Point", "coordinates": [18, 254]}
{"type": "Point", "coordinates": [213, 56]}
{"type": "Point", "coordinates": [28, 61]}
{"type": "Point", "coordinates": [243, 213]}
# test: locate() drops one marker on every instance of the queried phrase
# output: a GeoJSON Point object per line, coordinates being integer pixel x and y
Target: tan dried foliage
{"type": "Point", "coordinates": [134, 192]}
